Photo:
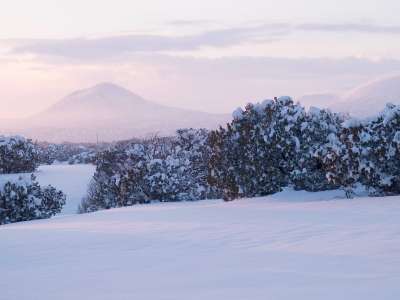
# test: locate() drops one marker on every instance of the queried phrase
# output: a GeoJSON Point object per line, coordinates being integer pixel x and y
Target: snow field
{"type": "Point", "coordinates": [292, 245]}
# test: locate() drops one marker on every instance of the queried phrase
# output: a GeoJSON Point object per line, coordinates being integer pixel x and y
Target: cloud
{"type": "Point", "coordinates": [209, 84]}
{"type": "Point", "coordinates": [198, 22]}
{"type": "Point", "coordinates": [220, 84]}
{"type": "Point", "coordinates": [349, 27]}
{"type": "Point", "coordinates": [119, 45]}
{"type": "Point", "coordinates": [267, 68]}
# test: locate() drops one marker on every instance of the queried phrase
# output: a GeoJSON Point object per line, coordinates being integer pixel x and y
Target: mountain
{"type": "Point", "coordinates": [108, 112]}
{"type": "Point", "coordinates": [362, 101]}
{"type": "Point", "coordinates": [370, 98]}
{"type": "Point", "coordinates": [319, 100]}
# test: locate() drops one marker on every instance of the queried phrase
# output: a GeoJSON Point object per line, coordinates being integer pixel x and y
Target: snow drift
{"type": "Point", "coordinates": [292, 245]}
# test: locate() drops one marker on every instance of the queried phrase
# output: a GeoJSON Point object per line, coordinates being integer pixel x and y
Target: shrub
{"type": "Point", "coordinates": [17, 155]}
{"type": "Point", "coordinates": [22, 199]}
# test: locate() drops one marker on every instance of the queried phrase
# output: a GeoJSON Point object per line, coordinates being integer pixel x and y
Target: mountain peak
{"type": "Point", "coordinates": [102, 94]}
{"type": "Point", "coordinates": [113, 113]}
{"type": "Point", "coordinates": [106, 84]}
{"type": "Point", "coordinates": [105, 89]}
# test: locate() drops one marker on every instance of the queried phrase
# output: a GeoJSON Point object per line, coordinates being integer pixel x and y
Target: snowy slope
{"type": "Point", "coordinates": [293, 245]}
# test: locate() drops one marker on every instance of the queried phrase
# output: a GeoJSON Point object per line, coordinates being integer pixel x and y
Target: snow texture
{"type": "Point", "coordinates": [9, 141]}
{"type": "Point", "coordinates": [292, 245]}
{"type": "Point", "coordinates": [20, 178]}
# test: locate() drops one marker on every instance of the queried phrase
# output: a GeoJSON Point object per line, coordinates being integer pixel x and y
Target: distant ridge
{"type": "Point", "coordinates": [363, 101]}
{"type": "Point", "coordinates": [370, 98]}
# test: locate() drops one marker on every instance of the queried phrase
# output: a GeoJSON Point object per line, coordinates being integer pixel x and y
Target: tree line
{"type": "Point", "coordinates": [266, 147]}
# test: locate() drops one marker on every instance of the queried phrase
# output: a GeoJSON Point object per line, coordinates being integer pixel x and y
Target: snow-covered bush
{"type": "Point", "coordinates": [366, 152]}
{"type": "Point", "coordinates": [265, 147]}
{"type": "Point", "coordinates": [315, 131]}
{"type": "Point", "coordinates": [193, 144]}
{"type": "Point", "coordinates": [69, 153]}
{"type": "Point", "coordinates": [341, 157]}
{"type": "Point", "coordinates": [255, 154]}
{"type": "Point", "coordinates": [380, 144]}
{"type": "Point", "coordinates": [115, 183]}
{"type": "Point", "coordinates": [22, 199]}
{"type": "Point", "coordinates": [270, 145]}
{"type": "Point", "coordinates": [162, 169]}
{"type": "Point", "coordinates": [17, 155]}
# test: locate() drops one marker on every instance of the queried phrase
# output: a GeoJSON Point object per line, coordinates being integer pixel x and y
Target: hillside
{"type": "Point", "coordinates": [370, 98]}
{"type": "Point", "coordinates": [319, 100]}
{"type": "Point", "coordinates": [292, 245]}
{"type": "Point", "coordinates": [109, 112]}
{"type": "Point", "coordinates": [362, 101]}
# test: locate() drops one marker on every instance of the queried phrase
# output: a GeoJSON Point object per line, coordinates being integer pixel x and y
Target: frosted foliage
{"type": "Point", "coordinates": [158, 169]}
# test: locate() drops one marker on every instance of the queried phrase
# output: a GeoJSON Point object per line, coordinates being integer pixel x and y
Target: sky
{"type": "Point", "coordinates": [204, 55]}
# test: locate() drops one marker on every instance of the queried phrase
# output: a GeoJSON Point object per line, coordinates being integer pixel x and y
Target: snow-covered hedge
{"type": "Point", "coordinates": [163, 169]}
{"type": "Point", "coordinates": [277, 143]}
{"type": "Point", "coordinates": [68, 153]}
{"type": "Point", "coordinates": [266, 147]}
{"type": "Point", "coordinates": [22, 199]}
{"type": "Point", "coordinates": [17, 155]}
{"type": "Point", "coordinates": [367, 152]}
{"type": "Point", "coordinates": [270, 145]}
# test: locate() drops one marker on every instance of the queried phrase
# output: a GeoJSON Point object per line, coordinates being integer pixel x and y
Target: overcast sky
{"type": "Point", "coordinates": [206, 55]}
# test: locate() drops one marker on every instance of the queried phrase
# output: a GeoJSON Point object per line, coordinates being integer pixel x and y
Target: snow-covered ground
{"type": "Point", "coordinates": [293, 245]}
{"type": "Point", "coordinates": [71, 179]}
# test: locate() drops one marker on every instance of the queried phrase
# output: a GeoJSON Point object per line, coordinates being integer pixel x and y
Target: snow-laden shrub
{"type": "Point", "coordinates": [341, 158]}
{"type": "Point", "coordinates": [315, 131]}
{"type": "Point", "coordinates": [380, 146]}
{"type": "Point", "coordinates": [22, 199]}
{"type": "Point", "coordinates": [162, 169]}
{"type": "Point", "coordinates": [254, 155]}
{"type": "Point", "coordinates": [17, 155]}
{"type": "Point", "coordinates": [265, 147]}
{"type": "Point", "coordinates": [270, 145]}
{"type": "Point", "coordinates": [366, 152]}
{"type": "Point", "coordinates": [68, 153]}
